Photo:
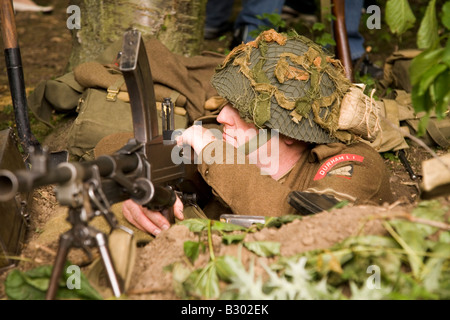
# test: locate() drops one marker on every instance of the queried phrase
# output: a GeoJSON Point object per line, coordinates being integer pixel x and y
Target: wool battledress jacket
{"type": "Point", "coordinates": [353, 172]}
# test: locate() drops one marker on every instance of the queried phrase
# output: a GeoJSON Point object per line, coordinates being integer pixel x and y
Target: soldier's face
{"type": "Point", "coordinates": [236, 131]}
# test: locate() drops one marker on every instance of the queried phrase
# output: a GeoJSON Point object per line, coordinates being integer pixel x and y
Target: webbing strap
{"type": "Point", "coordinates": [114, 89]}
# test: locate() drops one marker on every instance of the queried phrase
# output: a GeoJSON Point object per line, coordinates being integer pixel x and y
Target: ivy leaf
{"type": "Point", "coordinates": [264, 248]}
{"type": "Point", "coordinates": [427, 36]}
{"type": "Point", "coordinates": [399, 16]}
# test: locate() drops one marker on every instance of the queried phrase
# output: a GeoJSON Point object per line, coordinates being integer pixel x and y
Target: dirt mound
{"type": "Point", "coordinates": [152, 281]}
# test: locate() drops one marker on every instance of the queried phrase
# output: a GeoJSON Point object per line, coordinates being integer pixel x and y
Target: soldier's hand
{"type": "Point", "coordinates": [149, 221]}
{"type": "Point", "coordinates": [197, 137]}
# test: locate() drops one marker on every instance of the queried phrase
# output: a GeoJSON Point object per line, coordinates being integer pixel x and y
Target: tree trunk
{"type": "Point", "coordinates": [177, 23]}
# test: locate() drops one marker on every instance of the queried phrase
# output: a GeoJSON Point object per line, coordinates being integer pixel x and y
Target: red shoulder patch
{"type": "Point", "coordinates": [330, 163]}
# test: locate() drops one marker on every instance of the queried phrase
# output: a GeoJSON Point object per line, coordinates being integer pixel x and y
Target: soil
{"type": "Point", "coordinates": [45, 44]}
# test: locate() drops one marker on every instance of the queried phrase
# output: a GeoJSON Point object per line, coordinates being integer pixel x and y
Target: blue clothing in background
{"type": "Point", "coordinates": [218, 13]}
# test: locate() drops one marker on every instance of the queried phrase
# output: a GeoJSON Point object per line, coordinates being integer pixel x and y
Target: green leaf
{"type": "Point", "coordinates": [233, 238]}
{"type": "Point", "coordinates": [432, 271]}
{"type": "Point", "coordinates": [329, 17]}
{"type": "Point", "coordinates": [423, 124]}
{"type": "Point", "coordinates": [446, 15]}
{"type": "Point", "coordinates": [206, 282]}
{"type": "Point", "coordinates": [399, 16]}
{"type": "Point", "coordinates": [446, 54]}
{"type": "Point", "coordinates": [16, 288]}
{"type": "Point", "coordinates": [227, 266]}
{"type": "Point", "coordinates": [444, 237]}
{"type": "Point", "coordinates": [192, 250]}
{"type": "Point", "coordinates": [195, 225]}
{"type": "Point", "coordinates": [441, 106]}
{"type": "Point", "coordinates": [279, 221]}
{"type": "Point", "coordinates": [442, 85]}
{"type": "Point", "coordinates": [421, 63]}
{"type": "Point", "coordinates": [420, 103]}
{"type": "Point", "coordinates": [429, 76]}
{"type": "Point", "coordinates": [325, 39]}
{"type": "Point", "coordinates": [318, 26]}
{"type": "Point", "coordinates": [431, 210]}
{"type": "Point", "coordinates": [407, 288]}
{"type": "Point", "coordinates": [414, 259]}
{"type": "Point", "coordinates": [427, 36]}
{"type": "Point", "coordinates": [179, 275]}
{"type": "Point", "coordinates": [86, 291]}
{"type": "Point", "coordinates": [33, 284]}
{"type": "Point", "coordinates": [228, 227]}
{"type": "Point", "coordinates": [264, 248]}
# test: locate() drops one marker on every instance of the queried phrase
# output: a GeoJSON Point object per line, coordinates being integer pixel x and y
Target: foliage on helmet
{"type": "Point", "coordinates": [287, 82]}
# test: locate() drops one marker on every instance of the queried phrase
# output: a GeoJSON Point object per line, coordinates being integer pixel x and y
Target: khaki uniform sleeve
{"type": "Point", "coordinates": [357, 174]}
{"type": "Point", "coordinates": [242, 186]}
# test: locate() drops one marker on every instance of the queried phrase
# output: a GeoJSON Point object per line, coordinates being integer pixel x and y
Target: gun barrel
{"type": "Point", "coordinates": [26, 180]}
{"type": "Point", "coordinates": [9, 185]}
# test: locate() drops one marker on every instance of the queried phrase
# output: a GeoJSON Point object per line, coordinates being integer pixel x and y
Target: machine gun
{"type": "Point", "coordinates": [142, 170]}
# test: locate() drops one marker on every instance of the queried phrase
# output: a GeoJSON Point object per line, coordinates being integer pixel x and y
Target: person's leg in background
{"type": "Point", "coordinates": [218, 13]}
{"type": "Point", "coordinates": [30, 6]}
{"type": "Point", "coordinates": [352, 21]}
{"type": "Point", "coordinates": [247, 20]}
{"type": "Point", "coordinates": [353, 11]}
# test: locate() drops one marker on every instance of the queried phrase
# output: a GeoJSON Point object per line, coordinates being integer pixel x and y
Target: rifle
{"type": "Point", "coordinates": [142, 170]}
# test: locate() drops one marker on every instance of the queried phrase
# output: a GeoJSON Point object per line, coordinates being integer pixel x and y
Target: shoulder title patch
{"type": "Point", "coordinates": [330, 163]}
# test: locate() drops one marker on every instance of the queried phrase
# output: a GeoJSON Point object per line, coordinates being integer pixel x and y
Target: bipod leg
{"type": "Point", "coordinates": [108, 264]}
{"type": "Point", "coordinates": [65, 242]}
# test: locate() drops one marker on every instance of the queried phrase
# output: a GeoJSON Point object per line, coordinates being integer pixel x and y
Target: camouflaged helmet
{"type": "Point", "coordinates": [286, 82]}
